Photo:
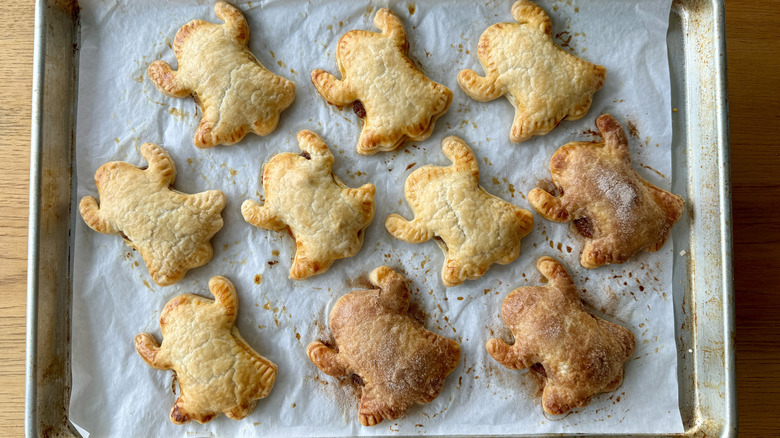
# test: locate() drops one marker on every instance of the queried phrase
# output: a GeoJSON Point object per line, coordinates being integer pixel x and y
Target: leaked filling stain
{"type": "Point", "coordinates": [359, 109]}
{"type": "Point", "coordinates": [584, 226]}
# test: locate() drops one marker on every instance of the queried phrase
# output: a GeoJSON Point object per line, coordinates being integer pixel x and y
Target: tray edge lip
{"type": "Point", "coordinates": [39, 52]}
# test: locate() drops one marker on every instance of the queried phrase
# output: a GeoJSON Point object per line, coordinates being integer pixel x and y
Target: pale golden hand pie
{"type": "Point", "coordinates": [234, 91]}
{"type": "Point", "coordinates": [218, 371]}
{"type": "Point", "coordinates": [577, 354]}
{"type": "Point", "coordinates": [474, 228]}
{"type": "Point", "coordinates": [172, 230]}
{"type": "Point", "coordinates": [543, 82]}
{"type": "Point", "coordinates": [615, 209]}
{"type": "Point", "coordinates": [400, 101]}
{"type": "Point", "coordinates": [326, 218]}
{"type": "Point", "coordinates": [399, 362]}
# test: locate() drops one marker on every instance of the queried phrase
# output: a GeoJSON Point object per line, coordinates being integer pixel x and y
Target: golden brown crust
{"type": "Point", "coordinates": [615, 209]}
{"type": "Point", "coordinates": [172, 230]}
{"type": "Point", "coordinates": [326, 218]}
{"type": "Point", "coordinates": [580, 354]}
{"type": "Point", "coordinates": [400, 101]}
{"type": "Point", "coordinates": [399, 362]}
{"type": "Point", "coordinates": [218, 372]}
{"type": "Point", "coordinates": [235, 92]}
{"type": "Point", "coordinates": [476, 228]}
{"type": "Point", "coordinates": [543, 82]}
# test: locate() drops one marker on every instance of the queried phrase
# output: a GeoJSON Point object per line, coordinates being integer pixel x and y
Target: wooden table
{"type": "Point", "coordinates": [753, 38]}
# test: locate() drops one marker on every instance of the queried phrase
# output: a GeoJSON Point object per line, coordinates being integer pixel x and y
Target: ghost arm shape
{"type": "Point", "coordinates": [417, 230]}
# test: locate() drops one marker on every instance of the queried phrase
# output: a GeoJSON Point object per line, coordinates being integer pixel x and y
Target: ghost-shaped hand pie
{"type": "Point", "coordinates": [398, 361]}
{"type": "Point", "coordinates": [218, 372]}
{"type": "Point", "coordinates": [172, 230]}
{"type": "Point", "coordinates": [617, 211]}
{"type": "Point", "coordinates": [577, 354]}
{"type": "Point", "coordinates": [543, 82]}
{"type": "Point", "coordinates": [474, 228]}
{"type": "Point", "coordinates": [326, 218]}
{"type": "Point", "coordinates": [400, 102]}
{"type": "Point", "coordinates": [235, 92]}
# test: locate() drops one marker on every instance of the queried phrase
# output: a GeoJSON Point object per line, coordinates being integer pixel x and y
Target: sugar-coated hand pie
{"type": "Point", "coordinates": [399, 362]}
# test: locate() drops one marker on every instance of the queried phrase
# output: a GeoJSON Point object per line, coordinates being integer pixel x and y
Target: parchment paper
{"type": "Point", "coordinates": [116, 394]}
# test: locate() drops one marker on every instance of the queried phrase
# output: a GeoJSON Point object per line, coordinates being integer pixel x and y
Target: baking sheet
{"type": "Point", "coordinates": [114, 298]}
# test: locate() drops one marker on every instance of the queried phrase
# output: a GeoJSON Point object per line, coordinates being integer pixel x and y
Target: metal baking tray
{"type": "Point", "coordinates": [703, 292]}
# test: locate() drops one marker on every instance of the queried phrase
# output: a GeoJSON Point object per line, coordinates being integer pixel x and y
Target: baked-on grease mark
{"type": "Point", "coordinates": [576, 354]}
{"type": "Point", "coordinates": [218, 371]}
{"type": "Point", "coordinates": [170, 229]}
{"type": "Point", "coordinates": [398, 101]}
{"type": "Point", "coordinates": [235, 92]}
{"type": "Point", "coordinates": [397, 360]}
{"type": "Point", "coordinates": [615, 209]}
{"type": "Point", "coordinates": [472, 227]}
{"type": "Point", "coordinates": [326, 218]}
{"type": "Point", "coordinates": [543, 82]}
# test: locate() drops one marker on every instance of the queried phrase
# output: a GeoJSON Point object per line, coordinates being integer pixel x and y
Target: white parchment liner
{"type": "Point", "coordinates": [115, 393]}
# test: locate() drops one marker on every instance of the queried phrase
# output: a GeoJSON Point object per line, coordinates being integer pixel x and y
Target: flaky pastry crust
{"type": "Point", "coordinates": [235, 92]}
{"type": "Point", "coordinates": [400, 101]}
{"type": "Point", "coordinates": [399, 362]}
{"type": "Point", "coordinates": [577, 354]}
{"type": "Point", "coordinates": [543, 82]}
{"type": "Point", "coordinates": [326, 218]}
{"type": "Point", "coordinates": [474, 228]}
{"type": "Point", "coordinates": [171, 230]}
{"type": "Point", "coordinates": [218, 372]}
{"type": "Point", "coordinates": [615, 209]}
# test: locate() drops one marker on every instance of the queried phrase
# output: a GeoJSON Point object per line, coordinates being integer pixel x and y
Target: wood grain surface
{"type": "Point", "coordinates": [753, 36]}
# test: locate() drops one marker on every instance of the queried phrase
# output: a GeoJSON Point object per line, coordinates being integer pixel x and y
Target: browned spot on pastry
{"type": "Point", "coordinates": [306, 155]}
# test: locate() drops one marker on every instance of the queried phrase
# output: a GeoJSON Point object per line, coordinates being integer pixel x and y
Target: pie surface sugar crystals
{"type": "Point", "coordinates": [399, 362]}
{"type": "Point", "coordinates": [616, 210]}
{"type": "Point", "coordinates": [577, 354]}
